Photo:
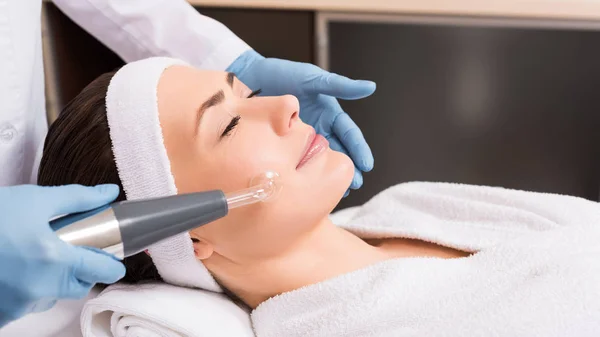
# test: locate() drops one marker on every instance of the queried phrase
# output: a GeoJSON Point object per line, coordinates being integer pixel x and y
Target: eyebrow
{"type": "Point", "coordinates": [214, 100]}
{"type": "Point", "coordinates": [229, 79]}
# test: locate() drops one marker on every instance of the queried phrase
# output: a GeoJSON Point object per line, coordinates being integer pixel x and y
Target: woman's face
{"type": "Point", "coordinates": [219, 137]}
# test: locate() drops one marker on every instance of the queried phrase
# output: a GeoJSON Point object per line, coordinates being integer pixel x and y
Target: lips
{"type": "Point", "coordinates": [315, 144]}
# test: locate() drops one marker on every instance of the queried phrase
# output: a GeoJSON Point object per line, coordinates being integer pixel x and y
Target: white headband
{"type": "Point", "coordinates": [143, 165]}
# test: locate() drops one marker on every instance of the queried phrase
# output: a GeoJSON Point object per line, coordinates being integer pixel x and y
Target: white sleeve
{"type": "Point", "coordinates": [136, 29]}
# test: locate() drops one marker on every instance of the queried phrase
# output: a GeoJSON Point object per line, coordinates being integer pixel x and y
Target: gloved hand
{"type": "Point", "coordinates": [317, 90]}
{"type": "Point", "coordinates": [36, 267]}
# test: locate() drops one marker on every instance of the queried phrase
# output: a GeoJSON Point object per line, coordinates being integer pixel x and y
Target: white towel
{"type": "Point", "coordinates": [536, 271]}
{"type": "Point", "coordinates": [163, 310]}
{"type": "Point", "coordinates": [143, 165]}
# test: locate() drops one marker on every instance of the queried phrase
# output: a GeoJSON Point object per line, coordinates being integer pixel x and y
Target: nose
{"type": "Point", "coordinates": [283, 113]}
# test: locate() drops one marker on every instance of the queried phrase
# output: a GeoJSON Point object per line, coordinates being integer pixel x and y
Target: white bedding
{"type": "Point", "coordinates": [536, 271]}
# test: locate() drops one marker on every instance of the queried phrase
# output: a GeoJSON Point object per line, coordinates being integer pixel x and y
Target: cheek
{"type": "Point", "coordinates": [237, 172]}
{"type": "Point", "coordinates": [306, 199]}
{"type": "Point", "coordinates": [250, 157]}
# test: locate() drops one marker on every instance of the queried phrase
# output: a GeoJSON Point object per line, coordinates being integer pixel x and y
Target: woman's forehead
{"type": "Point", "coordinates": [183, 79]}
{"type": "Point", "coordinates": [182, 90]}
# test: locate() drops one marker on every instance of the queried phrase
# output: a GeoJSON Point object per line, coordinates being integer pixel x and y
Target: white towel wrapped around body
{"type": "Point", "coordinates": [536, 271]}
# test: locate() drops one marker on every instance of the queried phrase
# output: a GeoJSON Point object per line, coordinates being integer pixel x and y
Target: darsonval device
{"type": "Point", "coordinates": [126, 228]}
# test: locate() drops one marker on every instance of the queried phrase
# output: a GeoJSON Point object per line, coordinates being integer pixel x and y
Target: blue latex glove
{"type": "Point", "coordinates": [36, 267]}
{"type": "Point", "coordinates": [317, 90]}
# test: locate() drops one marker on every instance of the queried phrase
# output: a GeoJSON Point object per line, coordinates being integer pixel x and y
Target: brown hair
{"type": "Point", "coordinates": [78, 150]}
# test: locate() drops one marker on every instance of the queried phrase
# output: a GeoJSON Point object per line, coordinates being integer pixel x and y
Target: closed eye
{"type": "Point", "coordinates": [231, 126]}
{"type": "Point", "coordinates": [235, 120]}
{"type": "Point", "coordinates": [254, 93]}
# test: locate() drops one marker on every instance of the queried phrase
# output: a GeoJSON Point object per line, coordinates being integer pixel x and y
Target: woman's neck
{"type": "Point", "coordinates": [326, 252]}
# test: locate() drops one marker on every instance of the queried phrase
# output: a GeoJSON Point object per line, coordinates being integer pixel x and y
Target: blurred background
{"type": "Point", "coordinates": [469, 93]}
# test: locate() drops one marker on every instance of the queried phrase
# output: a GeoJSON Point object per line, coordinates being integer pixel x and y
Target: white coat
{"type": "Point", "coordinates": [133, 29]}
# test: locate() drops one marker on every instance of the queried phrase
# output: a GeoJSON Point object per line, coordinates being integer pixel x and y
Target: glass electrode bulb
{"type": "Point", "coordinates": [263, 187]}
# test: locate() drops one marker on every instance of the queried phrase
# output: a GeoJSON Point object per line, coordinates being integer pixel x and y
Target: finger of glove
{"type": "Point", "coordinates": [77, 198]}
{"type": "Point", "coordinates": [92, 267]}
{"type": "Point", "coordinates": [357, 179]}
{"type": "Point", "coordinates": [339, 86]}
{"type": "Point", "coordinates": [77, 290]}
{"type": "Point", "coordinates": [43, 305]}
{"type": "Point", "coordinates": [353, 140]}
{"type": "Point", "coordinates": [336, 145]}
{"type": "Point", "coordinates": [103, 252]}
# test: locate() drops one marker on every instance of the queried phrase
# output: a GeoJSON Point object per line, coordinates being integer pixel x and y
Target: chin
{"type": "Point", "coordinates": [325, 183]}
{"type": "Point", "coordinates": [341, 175]}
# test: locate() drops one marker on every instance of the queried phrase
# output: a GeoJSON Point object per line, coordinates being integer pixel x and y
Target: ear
{"type": "Point", "coordinates": [202, 249]}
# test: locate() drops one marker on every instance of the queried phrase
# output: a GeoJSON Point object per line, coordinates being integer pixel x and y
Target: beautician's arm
{"type": "Point", "coordinates": [137, 29]}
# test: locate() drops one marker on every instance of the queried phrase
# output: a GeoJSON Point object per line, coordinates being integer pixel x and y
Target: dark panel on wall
{"type": "Point", "coordinates": [273, 33]}
{"type": "Point", "coordinates": [512, 107]}
{"type": "Point", "coordinates": [79, 58]}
